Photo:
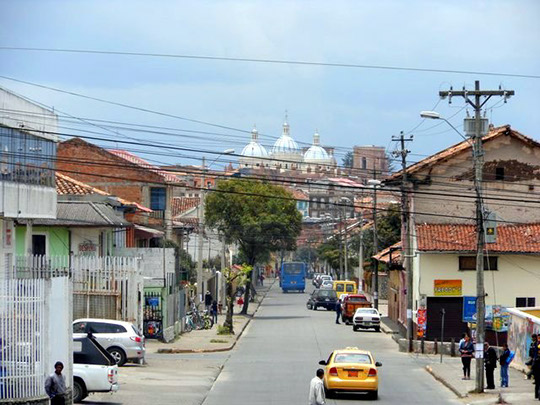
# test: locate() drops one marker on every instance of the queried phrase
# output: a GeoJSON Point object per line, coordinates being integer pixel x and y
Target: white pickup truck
{"type": "Point", "coordinates": [94, 370]}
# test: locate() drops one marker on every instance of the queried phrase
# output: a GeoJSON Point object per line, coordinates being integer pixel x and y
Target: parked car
{"type": "Point", "coordinates": [121, 339]}
{"type": "Point", "coordinates": [94, 369]}
{"type": "Point", "coordinates": [351, 370]}
{"type": "Point", "coordinates": [350, 303]}
{"type": "Point", "coordinates": [322, 298]}
{"type": "Point", "coordinates": [365, 318]}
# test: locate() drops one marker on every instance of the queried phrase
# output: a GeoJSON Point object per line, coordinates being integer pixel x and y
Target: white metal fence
{"type": "Point", "coordinates": [23, 336]}
{"type": "Point", "coordinates": [107, 287]}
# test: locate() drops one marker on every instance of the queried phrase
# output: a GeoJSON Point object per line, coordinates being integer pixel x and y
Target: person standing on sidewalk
{"type": "Point", "coordinates": [338, 311]}
{"type": "Point", "coordinates": [505, 362]}
{"type": "Point", "coordinates": [214, 311]}
{"type": "Point", "coordinates": [533, 354]}
{"type": "Point", "coordinates": [55, 385]}
{"type": "Point", "coordinates": [316, 389]}
{"type": "Point", "coordinates": [466, 348]}
{"type": "Point", "coordinates": [208, 301]}
{"type": "Point", "coordinates": [490, 361]}
{"type": "Point", "coordinates": [536, 375]}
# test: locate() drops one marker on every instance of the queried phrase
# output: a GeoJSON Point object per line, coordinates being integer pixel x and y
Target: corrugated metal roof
{"type": "Point", "coordinates": [83, 213]}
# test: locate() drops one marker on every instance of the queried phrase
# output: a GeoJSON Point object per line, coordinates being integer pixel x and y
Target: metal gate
{"type": "Point", "coordinates": [153, 315]}
{"type": "Point", "coordinates": [453, 318]}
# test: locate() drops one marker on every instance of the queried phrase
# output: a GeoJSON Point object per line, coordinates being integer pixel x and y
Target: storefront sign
{"type": "Point", "coordinates": [87, 247]}
{"type": "Point", "coordinates": [447, 287]}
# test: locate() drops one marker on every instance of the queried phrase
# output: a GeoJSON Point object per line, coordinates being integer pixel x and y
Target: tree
{"type": "Point", "coordinates": [347, 160]}
{"type": "Point", "coordinates": [233, 274]}
{"type": "Point", "coordinates": [258, 216]}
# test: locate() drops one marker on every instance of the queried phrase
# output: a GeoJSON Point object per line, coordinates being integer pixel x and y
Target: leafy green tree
{"type": "Point", "coordinates": [238, 274]}
{"type": "Point", "coordinates": [258, 216]}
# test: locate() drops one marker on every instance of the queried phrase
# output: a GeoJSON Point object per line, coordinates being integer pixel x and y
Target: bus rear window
{"type": "Point", "coordinates": [293, 268]}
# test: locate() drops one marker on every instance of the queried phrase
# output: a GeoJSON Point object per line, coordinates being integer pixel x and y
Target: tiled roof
{"type": "Point", "coordinates": [299, 194]}
{"type": "Point", "coordinates": [65, 185]}
{"type": "Point", "coordinates": [182, 204]}
{"type": "Point", "coordinates": [454, 150]}
{"type": "Point", "coordinates": [390, 253]}
{"type": "Point", "coordinates": [168, 177]}
{"type": "Point", "coordinates": [522, 238]}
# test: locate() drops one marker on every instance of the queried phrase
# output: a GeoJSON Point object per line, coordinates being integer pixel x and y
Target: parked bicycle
{"type": "Point", "coordinates": [196, 320]}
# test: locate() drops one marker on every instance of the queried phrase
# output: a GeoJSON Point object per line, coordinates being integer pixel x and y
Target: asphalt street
{"type": "Point", "coordinates": [279, 353]}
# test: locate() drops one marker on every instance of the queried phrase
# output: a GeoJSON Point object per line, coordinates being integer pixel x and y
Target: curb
{"type": "Point", "coordinates": [445, 383]}
{"type": "Point", "coordinates": [221, 349]}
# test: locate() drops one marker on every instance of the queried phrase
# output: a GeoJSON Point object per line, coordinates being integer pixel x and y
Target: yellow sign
{"type": "Point", "coordinates": [447, 287]}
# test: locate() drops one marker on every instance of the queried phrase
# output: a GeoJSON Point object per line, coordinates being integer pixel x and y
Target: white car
{"type": "Point", "coordinates": [327, 285]}
{"type": "Point", "coordinates": [365, 318]}
{"type": "Point", "coordinates": [94, 369]}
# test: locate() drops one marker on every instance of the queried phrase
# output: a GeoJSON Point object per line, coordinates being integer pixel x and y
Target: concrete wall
{"type": "Point", "coordinates": [455, 177]}
{"type": "Point", "coordinates": [152, 263]}
{"type": "Point", "coordinates": [517, 277]}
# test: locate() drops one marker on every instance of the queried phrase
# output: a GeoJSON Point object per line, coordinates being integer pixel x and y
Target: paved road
{"type": "Point", "coordinates": [279, 353]}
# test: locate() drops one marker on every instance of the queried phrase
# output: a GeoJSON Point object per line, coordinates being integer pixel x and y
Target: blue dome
{"type": "Point", "coordinates": [316, 153]}
{"type": "Point", "coordinates": [254, 148]}
{"type": "Point", "coordinates": [285, 144]}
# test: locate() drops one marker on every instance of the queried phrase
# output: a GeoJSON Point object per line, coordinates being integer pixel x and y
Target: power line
{"type": "Point", "coordinates": [271, 61]}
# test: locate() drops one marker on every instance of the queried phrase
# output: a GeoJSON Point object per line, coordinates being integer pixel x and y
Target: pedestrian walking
{"type": "Point", "coordinates": [536, 375]}
{"type": "Point", "coordinates": [506, 358]}
{"type": "Point", "coordinates": [338, 311]}
{"type": "Point", "coordinates": [316, 389]}
{"type": "Point", "coordinates": [208, 301]}
{"type": "Point", "coordinates": [214, 311]}
{"type": "Point", "coordinates": [55, 385]}
{"type": "Point", "coordinates": [466, 349]}
{"type": "Point", "coordinates": [533, 354]}
{"type": "Point", "coordinates": [490, 362]}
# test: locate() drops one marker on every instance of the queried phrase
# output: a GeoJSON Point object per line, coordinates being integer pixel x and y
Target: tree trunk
{"type": "Point", "coordinates": [247, 293]}
{"type": "Point", "coordinates": [230, 308]}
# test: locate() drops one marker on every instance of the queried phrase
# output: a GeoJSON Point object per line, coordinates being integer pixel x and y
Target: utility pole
{"type": "Point", "coordinates": [346, 274]}
{"type": "Point", "coordinates": [340, 275]}
{"type": "Point", "coordinates": [406, 232]}
{"type": "Point", "coordinates": [478, 158]}
{"type": "Point", "coordinates": [361, 253]}
{"type": "Point", "coordinates": [200, 213]}
{"type": "Point", "coordinates": [375, 242]}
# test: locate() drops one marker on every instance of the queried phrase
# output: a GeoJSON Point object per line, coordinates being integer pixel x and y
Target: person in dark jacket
{"type": "Point", "coordinates": [505, 356]}
{"type": "Point", "coordinates": [490, 361]}
{"type": "Point", "coordinates": [533, 354]}
{"type": "Point", "coordinates": [338, 311]}
{"type": "Point", "coordinates": [214, 310]}
{"type": "Point", "coordinates": [208, 301]}
{"type": "Point", "coordinates": [536, 374]}
{"type": "Point", "coordinates": [466, 349]}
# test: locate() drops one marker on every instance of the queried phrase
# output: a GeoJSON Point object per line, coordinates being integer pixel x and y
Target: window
{"type": "Point", "coordinates": [352, 358]}
{"type": "Point", "coordinates": [499, 173]}
{"type": "Point", "coordinates": [364, 163]}
{"type": "Point", "coordinates": [157, 198]}
{"type": "Point", "coordinates": [101, 327]}
{"type": "Point", "coordinates": [523, 302]}
{"type": "Point", "coordinates": [469, 263]}
{"type": "Point", "coordinates": [79, 327]}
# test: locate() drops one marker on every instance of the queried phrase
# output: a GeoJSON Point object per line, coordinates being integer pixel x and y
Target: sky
{"type": "Point", "coordinates": [348, 106]}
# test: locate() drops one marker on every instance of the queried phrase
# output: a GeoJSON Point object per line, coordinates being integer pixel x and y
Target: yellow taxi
{"type": "Point", "coordinates": [351, 370]}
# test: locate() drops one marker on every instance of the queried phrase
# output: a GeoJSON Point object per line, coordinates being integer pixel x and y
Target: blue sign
{"type": "Point", "coordinates": [469, 309]}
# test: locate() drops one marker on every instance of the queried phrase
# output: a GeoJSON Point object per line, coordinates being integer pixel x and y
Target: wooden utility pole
{"type": "Point", "coordinates": [478, 160]}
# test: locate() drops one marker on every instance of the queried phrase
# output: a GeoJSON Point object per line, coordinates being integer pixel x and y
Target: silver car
{"type": "Point", "coordinates": [121, 339]}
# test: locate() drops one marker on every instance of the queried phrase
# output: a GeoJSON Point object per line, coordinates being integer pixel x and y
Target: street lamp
{"type": "Point", "coordinates": [346, 201]}
{"type": "Point", "coordinates": [375, 183]}
{"type": "Point", "coordinates": [434, 115]}
{"type": "Point", "coordinates": [200, 214]}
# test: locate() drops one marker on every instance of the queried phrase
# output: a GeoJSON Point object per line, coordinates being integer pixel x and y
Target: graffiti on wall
{"type": "Point", "coordinates": [519, 337]}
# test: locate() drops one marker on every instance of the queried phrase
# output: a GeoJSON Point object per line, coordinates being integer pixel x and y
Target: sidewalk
{"type": "Point", "coordinates": [450, 372]}
{"type": "Point", "coordinates": [207, 341]}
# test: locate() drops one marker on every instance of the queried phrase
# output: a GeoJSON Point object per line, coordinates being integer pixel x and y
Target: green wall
{"type": "Point", "coordinates": [58, 239]}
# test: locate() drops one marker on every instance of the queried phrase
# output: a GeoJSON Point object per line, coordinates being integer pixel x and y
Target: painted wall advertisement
{"type": "Point", "coordinates": [447, 287]}
{"type": "Point", "coordinates": [421, 321]}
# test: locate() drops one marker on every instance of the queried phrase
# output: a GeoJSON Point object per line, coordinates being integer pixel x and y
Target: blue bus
{"type": "Point", "coordinates": [293, 276]}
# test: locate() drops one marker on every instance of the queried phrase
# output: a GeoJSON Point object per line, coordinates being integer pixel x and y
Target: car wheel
{"type": "Point", "coordinates": [79, 391]}
{"type": "Point", "coordinates": [314, 307]}
{"type": "Point", "coordinates": [328, 393]}
{"type": "Point", "coordinates": [374, 395]}
{"type": "Point", "coordinates": [355, 328]}
{"type": "Point", "coordinates": [377, 329]}
{"type": "Point", "coordinates": [118, 355]}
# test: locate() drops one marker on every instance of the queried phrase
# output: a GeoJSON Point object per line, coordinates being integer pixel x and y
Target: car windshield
{"type": "Point", "coordinates": [357, 299]}
{"type": "Point", "coordinates": [327, 293]}
{"type": "Point", "coordinates": [368, 311]}
{"type": "Point", "coordinates": [358, 358]}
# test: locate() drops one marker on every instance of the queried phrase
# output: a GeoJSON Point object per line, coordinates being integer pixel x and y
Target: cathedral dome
{"type": "Point", "coordinates": [316, 153]}
{"type": "Point", "coordinates": [254, 148]}
{"type": "Point", "coordinates": [285, 145]}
